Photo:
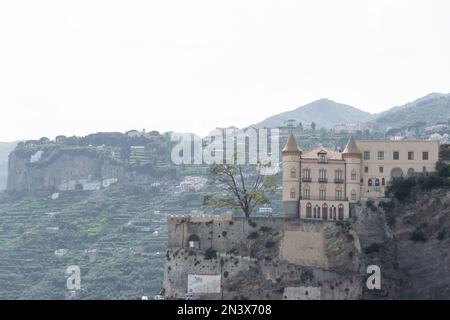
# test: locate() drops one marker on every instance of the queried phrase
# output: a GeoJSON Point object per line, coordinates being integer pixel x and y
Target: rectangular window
{"type": "Point", "coordinates": [322, 175]}
{"type": "Point", "coordinates": [306, 194]}
{"type": "Point", "coordinates": [396, 155]}
{"type": "Point", "coordinates": [425, 155]}
{"type": "Point", "coordinates": [366, 169]}
{"type": "Point", "coordinates": [338, 195]}
{"type": "Point", "coordinates": [411, 155]}
{"type": "Point", "coordinates": [306, 175]}
{"type": "Point", "coordinates": [380, 155]}
{"type": "Point", "coordinates": [381, 169]}
{"type": "Point", "coordinates": [322, 194]}
{"type": "Point", "coordinates": [366, 155]}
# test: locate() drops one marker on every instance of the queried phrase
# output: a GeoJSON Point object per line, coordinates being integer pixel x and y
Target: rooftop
{"type": "Point", "coordinates": [314, 154]}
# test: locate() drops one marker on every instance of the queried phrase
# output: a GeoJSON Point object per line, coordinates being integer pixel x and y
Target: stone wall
{"type": "Point", "coordinates": [261, 257]}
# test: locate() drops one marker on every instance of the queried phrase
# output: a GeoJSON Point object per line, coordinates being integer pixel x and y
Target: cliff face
{"type": "Point", "coordinates": [68, 170]}
{"type": "Point", "coordinates": [25, 175]}
{"type": "Point", "coordinates": [410, 241]}
{"type": "Point", "coordinates": [422, 238]}
{"type": "Point", "coordinates": [289, 259]}
{"type": "Point", "coordinates": [261, 259]}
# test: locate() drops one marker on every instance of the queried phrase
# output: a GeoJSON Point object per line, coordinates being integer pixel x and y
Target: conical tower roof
{"type": "Point", "coordinates": [291, 145]}
{"type": "Point", "coordinates": [351, 146]}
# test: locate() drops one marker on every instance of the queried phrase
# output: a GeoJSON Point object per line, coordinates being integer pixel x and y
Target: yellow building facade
{"type": "Point", "coordinates": [323, 183]}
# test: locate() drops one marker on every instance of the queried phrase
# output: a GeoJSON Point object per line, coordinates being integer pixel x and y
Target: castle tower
{"type": "Point", "coordinates": [291, 178]}
{"type": "Point", "coordinates": [352, 156]}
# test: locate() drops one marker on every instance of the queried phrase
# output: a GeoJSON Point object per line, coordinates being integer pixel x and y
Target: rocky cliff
{"type": "Point", "coordinates": [69, 169]}
{"type": "Point", "coordinates": [261, 259]}
{"type": "Point", "coordinates": [31, 172]}
{"type": "Point", "coordinates": [410, 240]}
{"type": "Point", "coordinates": [289, 259]}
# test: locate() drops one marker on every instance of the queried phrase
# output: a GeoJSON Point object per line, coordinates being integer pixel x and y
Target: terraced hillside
{"type": "Point", "coordinates": [117, 237]}
{"type": "Point", "coordinates": [114, 236]}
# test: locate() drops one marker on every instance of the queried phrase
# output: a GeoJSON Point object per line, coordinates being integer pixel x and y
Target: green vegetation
{"type": "Point", "coordinates": [210, 254]}
{"type": "Point", "coordinates": [373, 248]}
{"type": "Point", "coordinates": [419, 235]}
{"type": "Point", "coordinates": [113, 235]}
{"type": "Point", "coordinates": [443, 234]}
{"type": "Point", "coordinates": [116, 147]}
{"type": "Point", "coordinates": [427, 110]}
{"type": "Point", "coordinates": [401, 188]}
{"type": "Point", "coordinates": [241, 194]}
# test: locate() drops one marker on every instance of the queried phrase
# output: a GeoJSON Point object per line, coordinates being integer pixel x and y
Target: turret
{"type": "Point", "coordinates": [291, 178]}
{"type": "Point", "coordinates": [352, 156]}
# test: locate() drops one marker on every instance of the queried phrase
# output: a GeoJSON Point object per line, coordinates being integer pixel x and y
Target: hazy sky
{"type": "Point", "coordinates": [77, 67]}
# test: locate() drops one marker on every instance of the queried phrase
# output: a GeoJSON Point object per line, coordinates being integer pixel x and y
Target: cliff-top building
{"type": "Point", "coordinates": [323, 183]}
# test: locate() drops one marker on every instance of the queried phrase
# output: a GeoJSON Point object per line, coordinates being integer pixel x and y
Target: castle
{"type": "Point", "coordinates": [323, 183]}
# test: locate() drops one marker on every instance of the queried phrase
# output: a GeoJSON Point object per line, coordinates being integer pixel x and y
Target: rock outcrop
{"type": "Point", "coordinates": [262, 258]}
{"type": "Point", "coordinates": [294, 259]}
{"type": "Point", "coordinates": [410, 241]}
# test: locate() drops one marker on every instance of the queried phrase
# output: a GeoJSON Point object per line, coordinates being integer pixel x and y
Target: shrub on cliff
{"type": "Point", "coordinates": [433, 182]}
{"type": "Point", "coordinates": [252, 235]}
{"type": "Point", "coordinates": [401, 188]}
{"type": "Point", "coordinates": [210, 254]}
{"type": "Point", "coordinates": [387, 206]}
{"type": "Point", "coordinates": [419, 235]}
{"type": "Point", "coordinates": [373, 248]}
{"type": "Point", "coordinates": [442, 235]}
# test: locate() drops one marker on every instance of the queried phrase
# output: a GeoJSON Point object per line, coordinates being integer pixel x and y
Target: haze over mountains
{"type": "Point", "coordinates": [325, 113]}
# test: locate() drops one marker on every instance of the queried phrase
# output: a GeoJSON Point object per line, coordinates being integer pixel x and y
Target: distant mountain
{"type": "Point", "coordinates": [430, 109]}
{"type": "Point", "coordinates": [5, 149]}
{"type": "Point", "coordinates": [324, 113]}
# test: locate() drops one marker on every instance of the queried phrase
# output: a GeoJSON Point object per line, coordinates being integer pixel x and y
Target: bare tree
{"type": "Point", "coordinates": [241, 194]}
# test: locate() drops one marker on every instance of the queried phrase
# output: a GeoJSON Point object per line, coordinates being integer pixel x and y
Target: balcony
{"type": "Point", "coordinates": [306, 179]}
{"type": "Point", "coordinates": [339, 181]}
{"type": "Point", "coordinates": [323, 180]}
{"type": "Point", "coordinates": [324, 199]}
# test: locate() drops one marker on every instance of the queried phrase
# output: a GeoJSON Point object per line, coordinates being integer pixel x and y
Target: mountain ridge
{"type": "Point", "coordinates": [325, 113]}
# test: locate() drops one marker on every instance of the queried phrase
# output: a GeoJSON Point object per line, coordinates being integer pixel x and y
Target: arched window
{"type": "Point", "coordinates": [396, 173]}
{"type": "Point", "coordinates": [341, 212]}
{"type": "Point", "coordinates": [293, 173]}
{"type": "Point", "coordinates": [369, 183]}
{"type": "Point", "coordinates": [317, 212]}
{"type": "Point", "coordinates": [332, 213]}
{"type": "Point", "coordinates": [383, 182]}
{"type": "Point", "coordinates": [377, 182]}
{"type": "Point", "coordinates": [308, 210]}
{"type": "Point", "coordinates": [293, 193]}
{"type": "Point", "coordinates": [194, 241]}
{"type": "Point", "coordinates": [324, 211]}
{"type": "Point", "coordinates": [411, 172]}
